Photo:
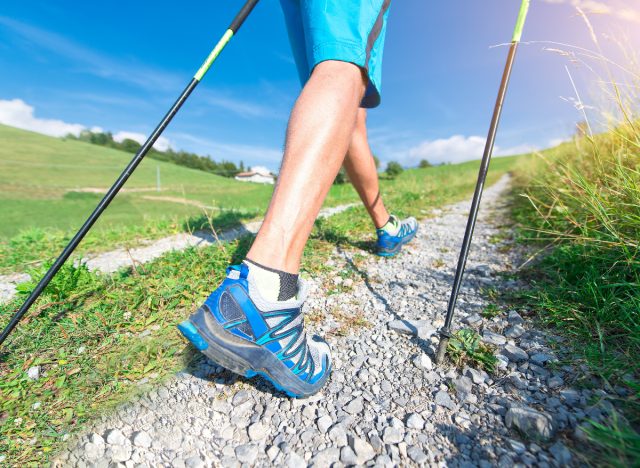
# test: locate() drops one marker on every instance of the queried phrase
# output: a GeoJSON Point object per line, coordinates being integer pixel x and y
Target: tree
{"type": "Point", "coordinates": [129, 145]}
{"type": "Point", "coordinates": [341, 177]}
{"type": "Point", "coordinates": [376, 161]}
{"type": "Point", "coordinates": [424, 164]}
{"type": "Point", "coordinates": [394, 169]}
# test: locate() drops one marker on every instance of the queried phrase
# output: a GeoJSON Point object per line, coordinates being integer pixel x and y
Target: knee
{"type": "Point", "coordinates": [343, 74]}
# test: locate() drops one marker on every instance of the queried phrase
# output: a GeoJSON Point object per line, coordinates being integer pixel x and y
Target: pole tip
{"type": "Point", "coordinates": [442, 349]}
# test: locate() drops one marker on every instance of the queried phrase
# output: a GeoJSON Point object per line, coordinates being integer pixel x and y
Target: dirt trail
{"type": "Point", "coordinates": [111, 261]}
{"type": "Point", "coordinates": [386, 404]}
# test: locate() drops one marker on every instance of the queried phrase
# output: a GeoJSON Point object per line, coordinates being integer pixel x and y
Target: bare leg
{"type": "Point", "coordinates": [363, 174]}
{"type": "Point", "coordinates": [319, 133]}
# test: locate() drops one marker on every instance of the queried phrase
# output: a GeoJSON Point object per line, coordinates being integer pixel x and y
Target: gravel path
{"type": "Point", "coordinates": [112, 261]}
{"type": "Point", "coordinates": [386, 404]}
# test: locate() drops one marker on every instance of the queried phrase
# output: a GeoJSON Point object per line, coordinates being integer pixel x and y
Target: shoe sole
{"type": "Point", "coordinates": [242, 357]}
{"type": "Point", "coordinates": [393, 252]}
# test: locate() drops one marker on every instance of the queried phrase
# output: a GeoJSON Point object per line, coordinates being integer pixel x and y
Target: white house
{"type": "Point", "coordinates": [259, 175]}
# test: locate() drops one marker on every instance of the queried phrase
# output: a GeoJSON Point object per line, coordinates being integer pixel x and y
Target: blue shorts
{"type": "Point", "coordinates": [345, 30]}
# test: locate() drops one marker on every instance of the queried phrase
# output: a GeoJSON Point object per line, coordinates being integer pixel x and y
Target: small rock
{"type": "Point", "coordinates": [115, 437]}
{"type": "Point", "coordinates": [294, 460]}
{"type": "Point", "coordinates": [472, 319]}
{"type": "Point", "coordinates": [422, 361]}
{"type": "Point", "coordinates": [338, 435]}
{"type": "Point", "coordinates": [561, 453]}
{"type": "Point", "coordinates": [257, 431]}
{"type": "Point", "coordinates": [324, 423]}
{"type": "Point", "coordinates": [515, 331]}
{"type": "Point", "coordinates": [463, 386]}
{"type": "Point", "coordinates": [362, 449]}
{"type": "Point", "coordinates": [409, 327]}
{"type": "Point", "coordinates": [246, 453]}
{"type": "Point", "coordinates": [417, 455]}
{"type": "Point", "coordinates": [443, 399]}
{"type": "Point", "coordinates": [514, 353]}
{"type": "Point", "coordinates": [326, 457]}
{"type": "Point", "coordinates": [240, 397]}
{"type": "Point", "coordinates": [530, 422]}
{"type": "Point", "coordinates": [540, 358]}
{"type": "Point", "coordinates": [141, 439]}
{"type": "Point", "coordinates": [36, 405]}
{"type": "Point", "coordinates": [514, 318]}
{"type": "Point", "coordinates": [354, 407]}
{"type": "Point", "coordinates": [194, 462]}
{"type": "Point", "coordinates": [392, 435]}
{"type": "Point", "coordinates": [555, 382]}
{"type": "Point", "coordinates": [348, 456]}
{"type": "Point", "coordinates": [93, 451]}
{"type": "Point", "coordinates": [119, 453]}
{"type": "Point", "coordinates": [415, 421]}
{"type": "Point", "coordinates": [33, 373]}
{"type": "Point", "coordinates": [477, 376]}
{"type": "Point", "coordinates": [493, 338]}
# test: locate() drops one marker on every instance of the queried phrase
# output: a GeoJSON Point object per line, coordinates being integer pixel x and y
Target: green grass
{"type": "Point", "coordinates": [40, 177]}
{"type": "Point", "coordinates": [582, 200]}
{"type": "Point", "coordinates": [85, 331]}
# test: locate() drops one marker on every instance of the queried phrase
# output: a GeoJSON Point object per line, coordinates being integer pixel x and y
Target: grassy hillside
{"type": "Point", "coordinates": [46, 183]}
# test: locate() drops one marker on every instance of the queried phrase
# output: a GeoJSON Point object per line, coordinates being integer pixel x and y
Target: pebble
{"type": "Point", "coordinates": [514, 353]}
{"type": "Point", "coordinates": [415, 421]}
{"type": "Point", "coordinates": [493, 338]}
{"type": "Point", "coordinates": [530, 422]}
{"type": "Point", "coordinates": [33, 373]}
{"type": "Point", "coordinates": [443, 399]}
{"type": "Point", "coordinates": [246, 453]}
{"type": "Point", "coordinates": [141, 439]}
{"type": "Point", "coordinates": [422, 361]}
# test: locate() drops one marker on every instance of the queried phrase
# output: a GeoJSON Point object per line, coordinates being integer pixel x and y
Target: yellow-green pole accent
{"type": "Point", "coordinates": [214, 55]}
{"type": "Point", "coordinates": [522, 16]}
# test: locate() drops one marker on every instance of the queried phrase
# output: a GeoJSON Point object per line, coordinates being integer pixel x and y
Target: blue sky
{"type": "Point", "coordinates": [119, 65]}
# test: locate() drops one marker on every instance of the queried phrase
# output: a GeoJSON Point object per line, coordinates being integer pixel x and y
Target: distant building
{"type": "Point", "coordinates": [256, 175]}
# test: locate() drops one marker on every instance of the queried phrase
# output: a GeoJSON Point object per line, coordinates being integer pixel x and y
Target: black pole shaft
{"type": "Point", "coordinates": [115, 188]}
{"type": "Point", "coordinates": [445, 332]}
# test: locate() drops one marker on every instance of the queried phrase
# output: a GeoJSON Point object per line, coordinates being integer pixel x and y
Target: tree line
{"type": "Point", "coordinates": [181, 158]}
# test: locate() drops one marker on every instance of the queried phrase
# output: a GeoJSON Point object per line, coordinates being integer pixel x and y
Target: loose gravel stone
{"type": "Point", "coordinates": [246, 453]}
{"type": "Point", "coordinates": [415, 421]}
{"type": "Point", "coordinates": [443, 399]}
{"type": "Point", "coordinates": [141, 439]}
{"type": "Point", "coordinates": [514, 353]}
{"type": "Point", "coordinates": [530, 422]}
{"type": "Point", "coordinates": [493, 338]}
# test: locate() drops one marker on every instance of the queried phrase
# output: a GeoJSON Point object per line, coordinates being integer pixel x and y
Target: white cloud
{"type": "Point", "coordinates": [455, 149]}
{"type": "Point", "coordinates": [18, 113]}
{"type": "Point", "coordinates": [161, 144]}
{"type": "Point", "coordinates": [616, 8]}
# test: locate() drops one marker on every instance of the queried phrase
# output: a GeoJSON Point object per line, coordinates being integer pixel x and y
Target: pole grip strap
{"type": "Point", "coordinates": [522, 16]}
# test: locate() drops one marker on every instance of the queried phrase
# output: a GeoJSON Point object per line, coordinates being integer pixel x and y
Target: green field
{"type": "Point", "coordinates": [49, 183]}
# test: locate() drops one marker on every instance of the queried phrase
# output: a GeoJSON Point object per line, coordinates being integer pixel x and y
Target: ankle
{"type": "Point", "coordinates": [273, 284]}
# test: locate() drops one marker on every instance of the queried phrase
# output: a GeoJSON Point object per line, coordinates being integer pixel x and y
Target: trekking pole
{"type": "Point", "coordinates": [445, 331]}
{"type": "Point", "coordinates": [144, 149]}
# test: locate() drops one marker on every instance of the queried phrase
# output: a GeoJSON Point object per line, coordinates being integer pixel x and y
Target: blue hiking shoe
{"type": "Point", "coordinates": [394, 235]}
{"type": "Point", "coordinates": [240, 330]}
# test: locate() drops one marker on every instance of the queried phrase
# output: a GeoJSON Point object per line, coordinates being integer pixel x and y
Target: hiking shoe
{"type": "Point", "coordinates": [240, 330]}
{"type": "Point", "coordinates": [394, 235]}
